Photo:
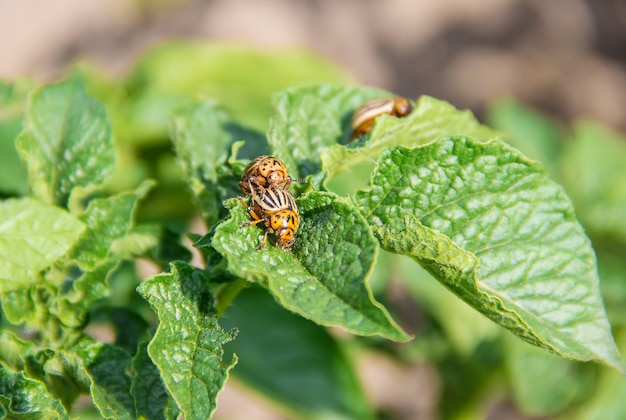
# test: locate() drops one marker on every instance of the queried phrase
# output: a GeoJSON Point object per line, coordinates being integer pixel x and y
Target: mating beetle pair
{"type": "Point", "coordinates": [267, 180]}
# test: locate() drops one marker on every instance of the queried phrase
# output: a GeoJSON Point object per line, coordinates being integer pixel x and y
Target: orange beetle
{"type": "Point", "coordinates": [265, 172]}
{"type": "Point", "coordinates": [277, 210]}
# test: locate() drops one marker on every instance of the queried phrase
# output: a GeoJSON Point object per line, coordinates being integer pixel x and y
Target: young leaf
{"type": "Point", "coordinates": [143, 241]}
{"type": "Point", "coordinates": [491, 226]}
{"type": "Point", "coordinates": [305, 122]}
{"type": "Point", "coordinates": [13, 350]}
{"type": "Point", "coordinates": [61, 372]}
{"type": "Point", "coordinates": [324, 277]}
{"type": "Point", "coordinates": [19, 305]}
{"type": "Point", "coordinates": [203, 135]}
{"type": "Point", "coordinates": [429, 120]}
{"type": "Point", "coordinates": [108, 220]}
{"type": "Point", "coordinates": [91, 287]}
{"type": "Point", "coordinates": [187, 346]}
{"type": "Point", "coordinates": [41, 365]}
{"type": "Point", "coordinates": [151, 397]}
{"type": "Point", "coordinates": [66, 141]}
{"type": "Point", "coordinates": [24, 398]}
{"type": "Point", "coordinates": [279, 349]}
{"type": "Point", "coordinates": [32, 236]}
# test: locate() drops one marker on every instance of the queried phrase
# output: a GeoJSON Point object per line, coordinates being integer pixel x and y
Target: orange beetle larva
{"type": "Point", "coordinates": [364, 117]}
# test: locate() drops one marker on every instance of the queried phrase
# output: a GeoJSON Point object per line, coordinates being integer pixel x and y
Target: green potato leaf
{"type": "Point", "coordinates": [105, 368]}
{"type": "Point", "coordinates": [324, 277]}
{"type": "Point", "coordinates": [12, 350]}
{"type": "Point", "coordinates": [492, 227]}
{"type": "Point", "coordinates": [43, 365]}
{"type": "Point", "coordinates": [109, 221]}
{"type": "Point", "coordinates": [66, 141]}
{"type": "Point", "coordinates": [24, 398]}
{"type": "Point", "coordinates": [151, 397]}
{"type": "Point", "coordinates": [86, 290]}
{"type": "Point", "coordinates": [19, 305]}
{"type": "Point", "coordinates": [32, 236]}
{"type": "Point", "coordinates": [187, 347]}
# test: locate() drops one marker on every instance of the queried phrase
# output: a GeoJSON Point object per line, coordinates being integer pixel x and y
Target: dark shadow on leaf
{"type": "Point", "coordinates": [108, 372]}
{"type": "Point", "coordinates": [72, 274]}
{"type": "Point", "coordinates": [256, 142]}
{"type": "Point", "coordinates": [227, 186]}
{"type": "Point", "coordinates": [307, 167]}
{"type": "Point", "coordinates": [129, 328]}
{"type": "Point", "coordinates": [151, 397]}
{"type": "Point", "coordinates": [224, 183]}
{"type": "Point", "coordinates": [195, 286]}
{"type": "Point", "coordinates": [346, 128]}
{"type": "Point", "coordinates": [169, 248]}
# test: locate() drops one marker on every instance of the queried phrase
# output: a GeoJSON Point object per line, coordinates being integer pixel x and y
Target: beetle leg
{"type": "Point", "coordinates": [249, 208]}
{"type": "Point", "coordinates": [264, 241]}
{"type": "Point", "coordinates": [287, 245]}
{"type": "Point", "coordinates": [258, 186]}
{"type": "Point", "coordinates": [253, 222]}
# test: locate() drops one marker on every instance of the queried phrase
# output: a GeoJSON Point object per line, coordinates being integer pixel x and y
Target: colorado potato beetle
{"type": "Point", "coordinates": [277, 210]}
{"type": "Point", "coordinates": [364, 117]}
{"type": "Point", "coordinates": [265, 172]}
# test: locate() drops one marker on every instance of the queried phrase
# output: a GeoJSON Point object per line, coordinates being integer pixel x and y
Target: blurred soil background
{"type": "Point", "coordinates": [565, 57]}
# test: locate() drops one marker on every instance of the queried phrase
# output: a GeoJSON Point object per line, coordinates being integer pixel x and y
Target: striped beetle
{"type": "Point", "coordinates": [364, 117]}
{"type": "Point", "coordinates": [277, 210]}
